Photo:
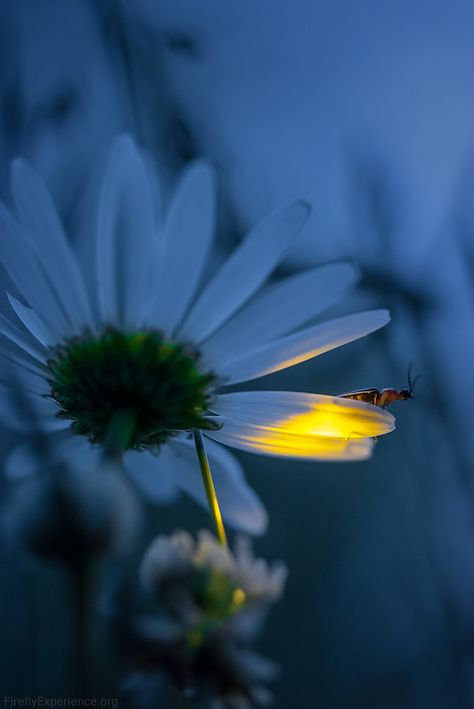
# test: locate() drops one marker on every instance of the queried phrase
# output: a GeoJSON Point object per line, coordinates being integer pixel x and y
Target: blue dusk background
{"type": "Point", "coordinates": [367, 111]}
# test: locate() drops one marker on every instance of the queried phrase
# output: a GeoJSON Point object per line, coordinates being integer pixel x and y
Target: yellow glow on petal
{"type": "Point", "coordinates": [337, 420]}
{"type": "Point", "coordinates": [289, 445]}
{"type": "Point", "coordinates": [303, 357]}
{"type": "Point", "coordinates": [302, 414]}
{"type": "Point", "coordinates": [299, 425]}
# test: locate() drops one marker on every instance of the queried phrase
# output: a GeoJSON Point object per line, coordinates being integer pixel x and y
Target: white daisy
{"type": "Point", "coordinates": [143, 331]}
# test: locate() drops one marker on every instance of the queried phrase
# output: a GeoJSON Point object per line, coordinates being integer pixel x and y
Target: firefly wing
{"type": "Point", "coordinates": [370, 396]}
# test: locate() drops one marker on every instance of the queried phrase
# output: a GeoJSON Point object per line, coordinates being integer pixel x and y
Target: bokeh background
{"type": "Point", "coordinates": [367, 110]}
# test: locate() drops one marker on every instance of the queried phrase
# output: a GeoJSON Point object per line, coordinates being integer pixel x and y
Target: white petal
{"type": "Point", "coordinates": [151, 476]}
{"type": "Point", "coordinates": [44, 230]}
{"type": "Point", "coordinates": [21, 361]}
{"type": "Point", "coordinates": [264, 440]}
{"type": "Point", "coordinates": [24, 269]}
{"type": "Point", "coordinates": [239, 504]}
{"type": "Point", "coordinates": [23, 461]}
{"type": "Point", "coordinates": [19, 338]}
{"type": "Point", "coordinates": [280, 309]}
{"type": "Point", "coordinates": [32, 381]}
{"type": "Point", "coordinates": [301, 346]}
{"type": "Point", "coordinates": [187, 237]}
{"type": "Point", "coordinates": [12, 418]}
{"type": "Point", "coordinates": [75, 450]}
{"type": "Point", "coordinates": [26, 460]}
{"type": "Point", "coordinates": [40, 412]}
{"type": "Point", "coordinates": [244, 271]}
{"type": "Point", "coordinates": [127, 246]}
{"type": "Point", "coordinates": [305, 414]}
{"type": "Point", "coordinates": [31, 321]}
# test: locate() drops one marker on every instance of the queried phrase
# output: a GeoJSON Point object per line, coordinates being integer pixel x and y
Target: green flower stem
{"type": "Point", "coordinates": [209, 487]}
{"type": "Point", "coordinates": [119, 434]}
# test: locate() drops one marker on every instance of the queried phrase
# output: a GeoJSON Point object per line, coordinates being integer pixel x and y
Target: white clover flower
{"type": "Point", "coordinates": [210, 606]}
{"type": "Point", "coordinates": [180, 555]}
{"type": "Point", "coordinates": [141, 328]}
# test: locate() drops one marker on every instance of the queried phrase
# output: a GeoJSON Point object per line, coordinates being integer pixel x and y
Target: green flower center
{"type": "Point", "coordinates": [216, 594]}
{"type": "Point", "coordinates": [155, 381]}
{"type": "Point", "coordinates": [218, 598]}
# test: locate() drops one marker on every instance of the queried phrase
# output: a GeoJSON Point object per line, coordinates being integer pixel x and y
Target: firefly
{"type": "Point", "coordinates": [383, 397]}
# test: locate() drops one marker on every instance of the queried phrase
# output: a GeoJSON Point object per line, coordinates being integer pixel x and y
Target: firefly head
{"type": "Point", "coordinates": [405, 394]}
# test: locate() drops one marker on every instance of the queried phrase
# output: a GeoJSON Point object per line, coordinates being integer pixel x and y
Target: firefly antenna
{"type": "Point", "coordinates": [412, 383]}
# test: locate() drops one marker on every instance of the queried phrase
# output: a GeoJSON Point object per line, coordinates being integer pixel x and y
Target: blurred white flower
{"type": "Point", "coordinates": [155, 337]}
{"type": "Point", "coordinates": [211, 604]}
{"type": "Point", "coordinates": [223, 582]}
{"type": "Point", "coordinates": [70, 516]}
{"type": "Point", "coordinates": [66, 515]}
